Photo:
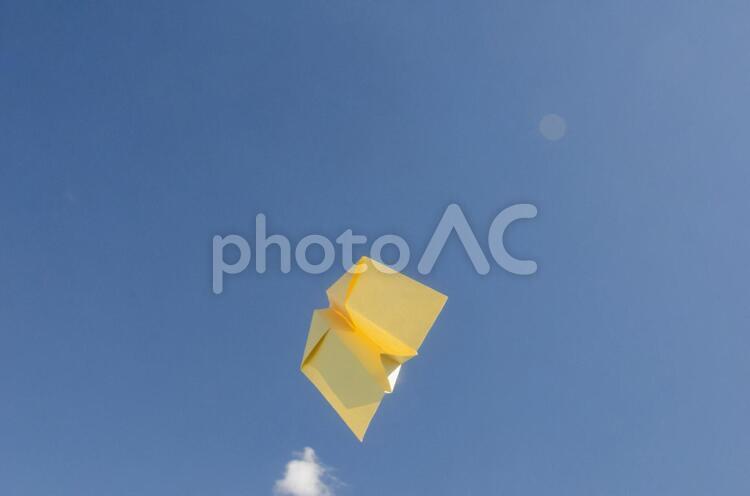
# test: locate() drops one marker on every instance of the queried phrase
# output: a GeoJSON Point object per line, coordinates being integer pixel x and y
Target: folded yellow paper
{"type": "Point", "coordinates": [377, 320]}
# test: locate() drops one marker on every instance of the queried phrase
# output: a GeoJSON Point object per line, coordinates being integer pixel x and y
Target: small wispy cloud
{"type": "Point", "coordinates": [305, 476]}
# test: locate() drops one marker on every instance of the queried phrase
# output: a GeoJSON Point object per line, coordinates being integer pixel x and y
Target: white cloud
{"type": "Point", "coordinates": [304, 476]}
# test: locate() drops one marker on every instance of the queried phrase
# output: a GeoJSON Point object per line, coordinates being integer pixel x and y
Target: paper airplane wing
{"type": "Point", "coordinates": [394, 310]}
{"type": "Point", "coordinates": [347, 369]}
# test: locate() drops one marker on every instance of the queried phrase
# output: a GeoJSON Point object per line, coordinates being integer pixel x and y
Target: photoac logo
{"type": "Point", "coordinates": [453, 220]}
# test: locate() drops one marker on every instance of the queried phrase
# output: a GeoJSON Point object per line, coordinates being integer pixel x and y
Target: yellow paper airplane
{"type": "Point", "coordinates": [376, 321]}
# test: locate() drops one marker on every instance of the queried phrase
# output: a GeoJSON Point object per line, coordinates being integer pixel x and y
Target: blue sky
{"type": "Point", "coordinates": [133, 132]}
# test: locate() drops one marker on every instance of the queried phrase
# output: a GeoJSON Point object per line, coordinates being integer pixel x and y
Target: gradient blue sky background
{"type": "Point", "coordinates": [132, 132]}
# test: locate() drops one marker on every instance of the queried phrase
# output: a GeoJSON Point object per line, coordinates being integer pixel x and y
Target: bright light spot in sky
{"type": "Point", "coordinates": [552, 127]}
